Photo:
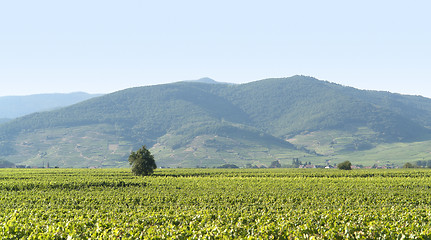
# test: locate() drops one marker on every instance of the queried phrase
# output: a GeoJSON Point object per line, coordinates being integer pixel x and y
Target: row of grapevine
{"type": "Point", "coordinates": [215, 204]}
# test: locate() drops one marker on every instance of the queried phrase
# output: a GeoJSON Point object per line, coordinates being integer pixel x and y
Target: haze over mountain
{"type": "Point", "coordinates": [18, 106]}
{"type": "Point", "coordinates": [207, 80]}
{"type": "Point", "coordinates": [189, 124]}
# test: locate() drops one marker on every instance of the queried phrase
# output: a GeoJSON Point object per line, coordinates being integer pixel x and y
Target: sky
{"type": "Point", "coordinates": [100, 46]}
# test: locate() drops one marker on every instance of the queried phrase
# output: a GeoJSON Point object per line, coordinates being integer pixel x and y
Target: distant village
{"type": "Point", "coordinates": [296, 163]}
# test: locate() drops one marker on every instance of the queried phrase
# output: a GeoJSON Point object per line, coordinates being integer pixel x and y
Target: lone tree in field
{"type": "Point", "coordinates": [346, 165]}
{"type": "Point", "coordinates": [142, 161]}
{"type": "Point", "coordinates": [409, 165]}
{"type": "Point", "coordinates": [275, 164]}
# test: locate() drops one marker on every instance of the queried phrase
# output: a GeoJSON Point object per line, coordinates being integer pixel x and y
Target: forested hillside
{"type": "Point", "coordinates": [188, 124]}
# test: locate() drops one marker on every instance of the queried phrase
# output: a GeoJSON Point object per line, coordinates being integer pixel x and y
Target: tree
{"type": "Point", "coordinates": [275, 164]}
{"type": "Point", "coordinates": [296, 162]}
{"type": "Point", "coordinates": [227, 165]}
{"type": "Point", "coordinates": [346, 165]}
{"type": "Point", "coordinates": [143, 163]}
{"type": "Point", "coordinates": [409, 165]}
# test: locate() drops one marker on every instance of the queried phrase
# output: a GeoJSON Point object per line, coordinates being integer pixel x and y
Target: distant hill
{"type": "Point", "coordinates": [17, 106]}
{"type": "Point", "coordinates": [3, 120]}
{"type": "Point", "coordinates": [190, 124]}
{"type": "Point", "coordinates": [206, 80]}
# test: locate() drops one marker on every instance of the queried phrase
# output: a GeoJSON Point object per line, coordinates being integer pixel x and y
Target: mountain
{"type": "Point", "coordinates": [18, 106]}
{"type": "Point", "coordinates": [189, 124]}
{"type": "Point", "coordinates": [3, 120]}
{"type": "Point", "coordinates": [207, 80]}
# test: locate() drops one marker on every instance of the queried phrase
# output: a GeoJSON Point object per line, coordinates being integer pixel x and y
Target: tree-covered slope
{"type": "Point", "coordinates": [290, 106]}
{"type": "Point", "coordinates": [194, 123]}
{"type": "Point", "coordinates": [416, 108]}
{"type": "Point", "coordinates": [144, 113]}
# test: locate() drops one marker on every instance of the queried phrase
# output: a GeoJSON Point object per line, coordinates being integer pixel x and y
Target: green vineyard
{"type": "Point", "coordinates": [215, 204]}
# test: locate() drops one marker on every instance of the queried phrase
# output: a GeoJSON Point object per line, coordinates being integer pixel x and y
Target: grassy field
{"type": "Point", "coordinates": [73, 147]}
{"type": "Point", "coordinates": [96, 146]}
{"type": "Point", "coordinates": [361, 148]}
{"type": "Point", "coordinates": [215, 204]}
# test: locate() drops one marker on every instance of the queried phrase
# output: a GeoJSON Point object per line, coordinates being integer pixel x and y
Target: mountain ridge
{"type": "Point", "coordinates": [207, 80]}
{"type": "Point", "coordinates": [193, 123]}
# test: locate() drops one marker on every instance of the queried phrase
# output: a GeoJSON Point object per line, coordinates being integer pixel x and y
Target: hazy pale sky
{"type": "Point", "coordinates": [102, 46]}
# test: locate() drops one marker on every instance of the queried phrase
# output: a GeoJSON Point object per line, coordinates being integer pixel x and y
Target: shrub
{"type": "Point", "coordinates": [346, 165]}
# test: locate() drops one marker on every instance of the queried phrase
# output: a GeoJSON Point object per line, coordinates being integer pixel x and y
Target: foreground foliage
{"type": "Point", "coordinates": [215, 203]}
